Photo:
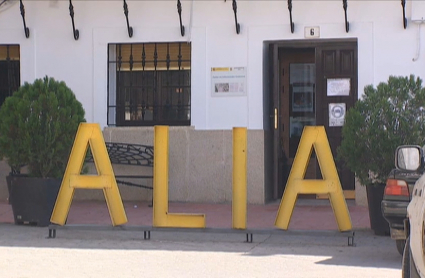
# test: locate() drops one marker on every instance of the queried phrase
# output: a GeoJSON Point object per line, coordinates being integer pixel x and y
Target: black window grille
{"type": "Point", "coordinates": [10, 78]}
{"type": "Point", "coordinates": [149, 84]}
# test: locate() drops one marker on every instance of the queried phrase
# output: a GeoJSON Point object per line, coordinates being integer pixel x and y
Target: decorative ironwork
{"type": "Point", "coordinates": [180, 106]}
{"type": "Point", "coordinates": [144, 94]}
{"type": "Point", "coordinates": [71, 13]}
{"type": "Point", "coordinates": [129, 98]}
{"type": "Point", "coordinates": [347, 24]}
{"type": "Point", "coordinates": [129, 28]}
{"type": "Point", "coordinates": [155, 83]}
{"type": "Point", "coordinates": [235, 7]}
{"type": "Point", "coordinates": [26, 29]}
{"type": "Point", "coordinates": [129, 154]}
{"type": "Point", "coordinates": [179, 10]}
{"type": "Point", "coordinates": [290, 15]}
{"type": "Point", "coordinates": [9, 71]}
{"type": "Point", "coordinates": [403, 4]}
{"type": "Point", "coordinates": [131, 62]}
{"type": "Point", "coordinates": [149, 84]}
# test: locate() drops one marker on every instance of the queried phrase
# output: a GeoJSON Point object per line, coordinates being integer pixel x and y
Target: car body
{"type": "Point", "coordinates": [410, 158]}
{"type": "Point", "coordinates": [414, 256]}
{"type": "Point", "coordinates": [397, 195]}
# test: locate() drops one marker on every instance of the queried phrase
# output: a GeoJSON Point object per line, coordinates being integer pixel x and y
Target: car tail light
{"type": "Point", "coordinates": [396, 187]}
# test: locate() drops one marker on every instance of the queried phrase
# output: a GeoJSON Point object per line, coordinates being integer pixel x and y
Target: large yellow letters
{"type": "Point", "coordinates": [313, 137]}
{"type": "Point", "coordinates": [161, 217]}
{"type": "Point", "coordinates": [89, 135]}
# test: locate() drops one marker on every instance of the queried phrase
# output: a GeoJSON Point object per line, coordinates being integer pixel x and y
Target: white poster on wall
{"type": "Point", "coordinates": [230, 81]}
{"type": "Point", "coordinates": [338, 86]}
{"type": "Point", "coordinates": [337, 114]}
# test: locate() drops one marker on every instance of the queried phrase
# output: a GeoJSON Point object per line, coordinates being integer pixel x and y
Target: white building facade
{"type": "Point", "coordinates": [243, 79]}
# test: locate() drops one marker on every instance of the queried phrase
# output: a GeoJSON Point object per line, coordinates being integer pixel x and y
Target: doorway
{"type": "Point", "coordinates": [311, 83]}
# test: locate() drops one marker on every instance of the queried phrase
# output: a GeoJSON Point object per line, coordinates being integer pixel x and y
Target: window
{"type": "Point", "coordinates": [10, 79]}
{"type": "Point", "coordinates": [149, 84]}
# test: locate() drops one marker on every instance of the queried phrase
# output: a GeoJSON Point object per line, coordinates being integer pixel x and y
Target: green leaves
{"type": "Point", "coordinates": [38, 126]}
{"type": "Point", "coordinates": [387, 116]}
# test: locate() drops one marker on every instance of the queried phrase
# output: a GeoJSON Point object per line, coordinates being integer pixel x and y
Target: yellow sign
{"type": "Point", "coordinates": [161, 217]}
{"type": "Point", "coordinates": [314, 137]}
{"type": "Point", "coordinates": [220, 69]}
{"type": "Point", "coordinates": [89, 135]}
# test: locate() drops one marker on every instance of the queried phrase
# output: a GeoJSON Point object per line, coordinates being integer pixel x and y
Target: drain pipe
{"type": "Point", "coordinates": [190, 22]}
{"type": "Point", "coordinates": [418, 38]}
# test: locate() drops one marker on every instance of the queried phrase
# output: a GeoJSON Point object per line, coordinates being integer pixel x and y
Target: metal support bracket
{"type": "Point", "coordinates": [347, 24]}
{"type": "Point", "coordinates": [71, 13]}
{"type": "Point", "coordinates": [26, 29]}
{"type": "Point", "coordinates": [52, 233]}
{"type": "Point", "coordinates": [350, 239]}
{"type": "Point", "coordinates": [179, 10]}
{"type": "Point", "coordinates": [290, 15]}
{"type": "Point", "coordinates": [235, 7]}
{"type": "Point", "coordinates": [248, 232]}
{"type": "Point", "coordinates": [146, 235]}
{"type": "Point", "coordinates": [403, 4]}
{"type": "Point", "coordinates": [249, 237]}
{"type": "Point", "coordinates": [129, 28]}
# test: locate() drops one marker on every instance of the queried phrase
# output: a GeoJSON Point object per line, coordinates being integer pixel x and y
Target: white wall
{"type": "Point", "coordinates": [385, 48]}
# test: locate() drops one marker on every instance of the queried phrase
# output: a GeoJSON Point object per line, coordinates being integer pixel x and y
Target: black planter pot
{"type": "Point", "coordinates": [33, 199]}
{"type": "Point", "coordinates": [8, 181]}
{"type": "Point", "coordinates": [378, 224]}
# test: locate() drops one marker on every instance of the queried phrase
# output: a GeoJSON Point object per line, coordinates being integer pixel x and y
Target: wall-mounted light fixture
{"type": "Point", "coordinates": [129, 28]}
{"type": "Point", "coordinates": [347, 24]}
{"type": "Point", "coordinates": [71, 13]}
{"type": "Point", "coordinates": [26, 29]}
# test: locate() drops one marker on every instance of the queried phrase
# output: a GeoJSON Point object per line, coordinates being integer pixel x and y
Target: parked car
{"type": "Point", "coordinates": [398, 191]}
{"type": "Point", "coordinates": [410, 159]}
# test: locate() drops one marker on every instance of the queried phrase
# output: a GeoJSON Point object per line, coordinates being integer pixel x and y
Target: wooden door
{"type": "Point", "coordinates": [336, 80]}
{"type": "Point", "coordinates": [334, 62]}
{"type": "Point", "coordinates": [273, 116]}
{"type": "Point", "coordinates": [297, 106]}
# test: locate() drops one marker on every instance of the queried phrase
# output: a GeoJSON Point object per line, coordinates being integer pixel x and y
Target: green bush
{"type": "Point", "coordinates": [38, 126]}
{"type": "Point", "coordinates": [387, 116]}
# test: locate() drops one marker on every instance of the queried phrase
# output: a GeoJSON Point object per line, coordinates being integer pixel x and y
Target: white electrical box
{"type": "Point", "coordinates": [312, 32]}
{"type": "Point", "coordinates": [418, 10]}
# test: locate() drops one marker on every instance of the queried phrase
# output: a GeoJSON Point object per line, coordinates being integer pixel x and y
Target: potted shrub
{"type": "Point", "coordinates": [387, 116]}
{"type": "Point", "coordinates": [37, 130]}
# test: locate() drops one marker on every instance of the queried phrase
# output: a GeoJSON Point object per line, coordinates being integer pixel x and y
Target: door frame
{"type": "Point", "coordinates": [271, 95]}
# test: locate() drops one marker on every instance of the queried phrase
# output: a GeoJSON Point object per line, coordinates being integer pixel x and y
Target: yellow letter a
{"type": "Point", "coordinates": [89, 135]}
{"type": "Point", "coordinates": [314, 136]}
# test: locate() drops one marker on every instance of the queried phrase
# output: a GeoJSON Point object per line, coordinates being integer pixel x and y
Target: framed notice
{"type": "Point", "coordinates": [338, 86]}
{"type": "Point", "coordinates": [337, 114]}
{"type": "Point", "coordinates": [230, 81]}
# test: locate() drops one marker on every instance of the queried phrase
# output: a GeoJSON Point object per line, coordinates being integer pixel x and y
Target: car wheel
{"type": "Point", "coordinates": [405, 267]}
{"type": "Point", "coordinates": [400, 243]}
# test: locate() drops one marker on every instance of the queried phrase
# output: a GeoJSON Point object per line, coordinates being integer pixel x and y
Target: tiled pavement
{"type": "Point", "coordinates": [309, 214]}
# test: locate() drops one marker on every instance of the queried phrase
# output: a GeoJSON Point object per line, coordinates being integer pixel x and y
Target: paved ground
{"type": "Point", "coordinates": [26, 251]}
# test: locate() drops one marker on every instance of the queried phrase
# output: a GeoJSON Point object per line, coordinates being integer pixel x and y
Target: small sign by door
{"type": "Point", "coordinates": [336, 114]}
